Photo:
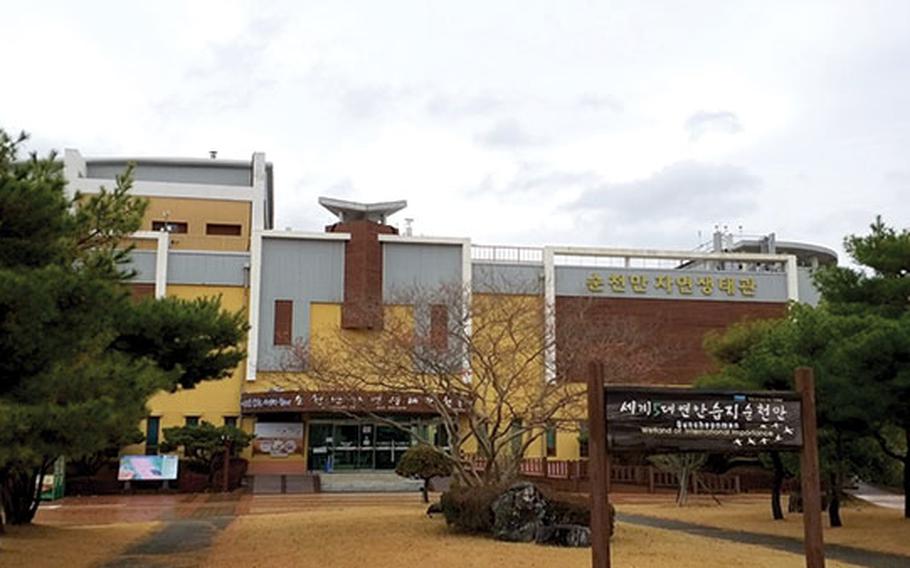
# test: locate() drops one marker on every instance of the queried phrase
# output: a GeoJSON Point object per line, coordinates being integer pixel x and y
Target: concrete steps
{"type": "Point", "coordinates": [367, 482]}
{"type": "Point", "coordinates": [280, 484]}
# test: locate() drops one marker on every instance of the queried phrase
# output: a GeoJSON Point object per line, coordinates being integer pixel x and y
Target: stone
{"type": "Point", "coordinates": [577, 536]}
{"type": "Point", "coordinates": [518, 513]}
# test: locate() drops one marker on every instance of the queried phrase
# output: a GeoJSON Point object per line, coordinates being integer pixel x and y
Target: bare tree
{"type": "Point", "coordinates": [486, 363]}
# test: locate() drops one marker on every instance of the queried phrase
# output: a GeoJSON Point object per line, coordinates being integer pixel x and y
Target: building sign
{"type": "Point", "coordinates": [278, 439]}
{"type": "Point", "coordinates": [331, 401]}
{"type": "Point", "coordinates": [668, 419]}
{"type": "Point", "coordinates": [673, 284]}
{"type": "Point", "coordinates": [145, 468]}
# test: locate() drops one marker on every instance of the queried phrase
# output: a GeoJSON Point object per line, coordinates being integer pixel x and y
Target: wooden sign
{"type": "Point", "coordinates": [344, 401]}
{"type": "Point", "coordinates": [686, 420]}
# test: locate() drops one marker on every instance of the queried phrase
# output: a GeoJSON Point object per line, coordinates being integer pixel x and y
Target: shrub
{"type": "Point", "coordinates": [470, 508]}
{"type": "Point", "coordinates": [423, 462]}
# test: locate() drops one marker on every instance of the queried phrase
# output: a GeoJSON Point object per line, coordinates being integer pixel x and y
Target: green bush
{"type": "Point", "coordinates": [424, 462]}
{"type": "Point", "coordinates": [470, 508]}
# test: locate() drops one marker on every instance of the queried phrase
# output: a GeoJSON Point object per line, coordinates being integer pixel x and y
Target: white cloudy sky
{"type": "Point", "coordinates": [564, 122]}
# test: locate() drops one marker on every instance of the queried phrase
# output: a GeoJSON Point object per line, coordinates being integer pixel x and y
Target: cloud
{"type": "Point", "coordinates": [687, 189]}
{"type": "Point", "coordinates": [508, 133]}
{"type": "Point", "coordinates": [704, 122]}
{"type": "Point", "coordinates": [597, 102]}
{"type": "Point", "coordinates": [442, 105]}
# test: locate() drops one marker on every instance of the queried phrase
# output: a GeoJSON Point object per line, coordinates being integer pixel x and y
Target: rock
{"type": "Point", "coordinates": [518, 513]}
{"type": "Point", "coordinates": [578, 536]}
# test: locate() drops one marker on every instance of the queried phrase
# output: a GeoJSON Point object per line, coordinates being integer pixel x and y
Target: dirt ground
{"type": "Point", "coordinates": [400, 535]}
{"type": "Point", "coordinates": [377, 531]}
{"type": "Point", "coordinates": [865, 526]}
{"type": "Point", "coordinates": [46, 546]}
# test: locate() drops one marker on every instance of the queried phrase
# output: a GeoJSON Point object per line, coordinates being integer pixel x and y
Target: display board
{"type": "Point", "coordinates": [278, 439]}
{"type": "Point", "coordinates": [686, 420]}
{"type": "Point", "coordinates": [147, 468]}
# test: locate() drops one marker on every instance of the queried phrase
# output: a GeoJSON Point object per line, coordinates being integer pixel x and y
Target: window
{"type": "Point", "coordinates": [284, 316]}
{"type": "Point", "coordinates": [151, 435]}
{"type": "Point", "coordinates": [223, 229]}
{"type": "Point", "coordinates": [192, 421]}
{"type": "Point", "coordinates": [230, 421]}
{"type": "Point", "coordinates": [170, 226]}
{"type": "Point", "coordinates": [583, 439]}
{"type": "Point", "coordinates": [439, 327]}
{"type": "Point", "coordinates": [516, 430]}
{"type": "Point", "coordinates": [551, 441]}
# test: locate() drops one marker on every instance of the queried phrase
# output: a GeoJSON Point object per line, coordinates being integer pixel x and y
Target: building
{"type": "Point", "coordinates": [209, 231]}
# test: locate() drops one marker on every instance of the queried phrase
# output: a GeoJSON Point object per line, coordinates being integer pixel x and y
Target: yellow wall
{"type": "Point", "coordinates": [211, 401]}
{"type": "Point", "coordinates": [196, 213]}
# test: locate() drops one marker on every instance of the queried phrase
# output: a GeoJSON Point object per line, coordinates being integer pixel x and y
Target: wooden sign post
{"type": "Point", "coordinates": [598, 468]}
{"type": "Point", "coordinates": [811, 479]}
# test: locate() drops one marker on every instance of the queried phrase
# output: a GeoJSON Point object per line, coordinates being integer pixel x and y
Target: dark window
{"type": "Point", "coordinates": [284, 316]}
{"type": "Point", "coordinates": [518, 433]}
{"type": "Point", "coordinates": [224, 229]}
{"type": "Point", "coordinates": [583, 439]}
{"type": "Point", "coordinates": [230, 421]}
{"type": "Point", "coordinates": [439, 327]}
{"type": "Point", "coordinates": [151, 435]}
{"type": "Point", "coordinates": [170, 226]}
{"type": "Point", "coordinates": [551, 441]}
{"type": "Point", "coordinates": [192, 420]}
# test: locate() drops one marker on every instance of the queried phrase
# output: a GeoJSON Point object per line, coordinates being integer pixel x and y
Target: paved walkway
{"type": "Point", "coordinates": [186, 536]}
{"type": "Point", "coordinates": [851, 555]}
{"type": "Point", "coordinates": [878, 496]}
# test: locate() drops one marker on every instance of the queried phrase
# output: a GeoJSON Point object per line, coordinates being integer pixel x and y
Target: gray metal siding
{"type": "Point", "coordinates": [198, 267]}
{"type": "Point", "coordinates": [507, 278]}
{"type": "Point", "coordinates": [302, 271]}
{"type": "Point", "coordinates": [808, 293]}
{"type": "Point", "coordinates": [423, 266]}
{"type": "Point", "coordinates": [143, 262]}
{"type": "Point", "coordinates": [174, 173]}
{"type": "Point", "coordinates": [574, 281]}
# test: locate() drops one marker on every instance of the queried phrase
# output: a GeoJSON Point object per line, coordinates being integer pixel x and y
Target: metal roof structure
{"type": "Point", "coordinates": [354, 211]}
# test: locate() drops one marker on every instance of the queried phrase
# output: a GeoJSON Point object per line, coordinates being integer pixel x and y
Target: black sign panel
{"type": "Point", "coordinates": [686, 420]}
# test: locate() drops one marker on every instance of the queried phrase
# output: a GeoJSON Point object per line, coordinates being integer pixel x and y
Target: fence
{"type": "Point", "coordinates": [573, 474]}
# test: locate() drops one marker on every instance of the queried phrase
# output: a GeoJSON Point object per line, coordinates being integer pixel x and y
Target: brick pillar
{"type": "Point", "coordinates": [362, 307]}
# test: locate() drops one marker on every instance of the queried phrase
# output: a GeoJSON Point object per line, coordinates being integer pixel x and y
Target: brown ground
{"type": "Point", "coordinates": [40, 546]}
{"type": "Point", "coordinates": [377, 531]}
{"type": "Point", "coordinates": [394, 535]}
{"type": "Point", "coordinates": [865, 526]}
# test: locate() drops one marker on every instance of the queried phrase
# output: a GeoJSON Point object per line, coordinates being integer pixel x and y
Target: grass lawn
{"type": "Point", "coordinates": [395, 535]}
{"type": "Point", "coordinates": [865, 526]}
{"type": "Point", "coordinates": [40, 546]}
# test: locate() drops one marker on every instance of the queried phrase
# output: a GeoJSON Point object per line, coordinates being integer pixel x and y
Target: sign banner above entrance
{"type": "Point", "coordinates": [673, 284]}
{"type": "Point", "coordinates": [684, 420]}
{"type": "Point", "coordinates": [335, 401]}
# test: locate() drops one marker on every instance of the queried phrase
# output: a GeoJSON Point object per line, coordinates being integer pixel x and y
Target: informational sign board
{"type": "Point", "coordinates": [686, 420]}
{"type": "Point", "coordinates": [147, 468]}
{"type": "Point", "coordinates": [278, 439]}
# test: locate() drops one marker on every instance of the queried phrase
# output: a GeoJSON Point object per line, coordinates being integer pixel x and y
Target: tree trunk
{"type": "Point", "coordinates": [776, 487]}
{"type": "Point", "coordinates": [426, 490]}
{"type": "Point", "coordinates": [834, 501]}
{"type": "Point", "coordinates": [907, 475]}
{"type": "Point", "coordinates": [682, 495]}
{"type": "Point", "coordinates": [20, 494]}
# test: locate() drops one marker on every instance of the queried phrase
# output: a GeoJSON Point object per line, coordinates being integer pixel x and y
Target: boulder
{"type": "Point", "coordinates": [578, 536]}
{"type": "Point", "coordinates": [518, 513]}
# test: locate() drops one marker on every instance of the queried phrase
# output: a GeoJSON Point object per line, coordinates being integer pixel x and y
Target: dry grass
{"type": "Point", "coordinates": [39, 546]}
{"type": "Point", "coordinates": [865, 526]}
{"type": "Point", "coordinates": [400, 535]}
